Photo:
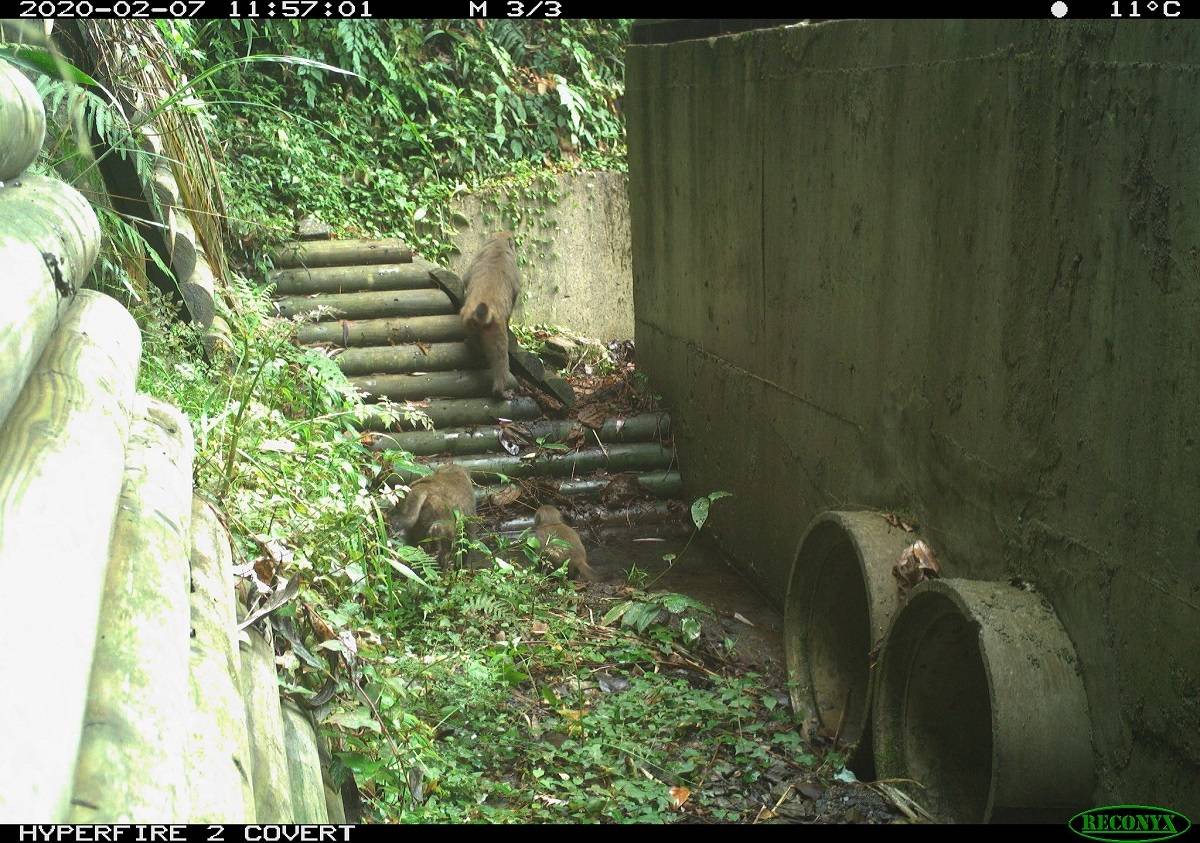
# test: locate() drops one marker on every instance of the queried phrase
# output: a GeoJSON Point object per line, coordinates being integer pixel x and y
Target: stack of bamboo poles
{"type": "Point", "coordinates": [390, 320]}
{"type": "Point", "coordinates": [130, 697]}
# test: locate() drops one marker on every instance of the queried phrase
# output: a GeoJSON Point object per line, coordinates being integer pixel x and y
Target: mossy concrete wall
{"type": "Point", "coordinates": [950, 269]}
{"type": "Point", "coordinates": [577, 271]}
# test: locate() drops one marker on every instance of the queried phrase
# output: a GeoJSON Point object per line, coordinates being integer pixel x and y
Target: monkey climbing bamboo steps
{"type": "Point", "coordinates": [389, 318]}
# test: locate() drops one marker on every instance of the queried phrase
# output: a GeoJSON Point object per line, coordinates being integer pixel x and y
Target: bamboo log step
{"type": "Point", "coordinates": [350, 279]}
{"type": "Point", "coordinates": [22, 122]}
{"type": "Point", "coordinates": [70, 421]}
{"type": "Point", "coordinates": [459, 412]}
{"type": "Point", "coordinates": [405, 359]}
{"type": "Point", "coordinates": [269, 774]}
{"type": "Point", "coordinates": [619, 535]}
{"type": "Point", "coordinates": [652, 512]}
{"type": "Point", "coordinates": [57, 219]}
{"type": "Point", "coordinates": [369, 332]}
{"type": "Point", "coordinates": [342, 253]}
{"type": "Point", "coordinates": [662, 484]}
{"type": "Point", "coordinates": [131, 764]}
{"type": "Point", "coordinates": [638, 456]}
{"type": "Point", "coordinates": [648, 427]}
{"type": "Point", "coordinates": [457, 384]}
{"type": "Point", "coordinates": [369, 305]}
{"type": "Point", "coordinates": [304, 767]}
{"type": "Point", "coordinates": [218, 752]}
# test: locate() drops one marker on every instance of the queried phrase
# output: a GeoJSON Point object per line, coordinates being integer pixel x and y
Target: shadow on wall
{"type": "Point", "coordinates": [576, 272]}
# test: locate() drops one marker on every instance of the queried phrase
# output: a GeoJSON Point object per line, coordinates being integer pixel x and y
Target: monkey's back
{"type": "Point", "coordinates": [493, 278]}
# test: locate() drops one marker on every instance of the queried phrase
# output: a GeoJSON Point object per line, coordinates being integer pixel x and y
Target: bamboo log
{"type": "Point", "coordinates": [131, 752]}
{"type": "Point", "coordinates": [304, 767]}
{"type": "Point", "coordinates": [27, 319]}
{"type": "Point", "coordinates": [57, 219]}
{"type": "Point", "coordinates": [647, 427]}
{"type": "Point", "coordinates": [368, 332]}
{"type": "Point", "coordinates": [663, 484]}
{"type": "Point", "coordinates": [218, 338]}
{"type": "Point", "coordinates": [620, 534]}
{"type": "Point", "coordinates": [350, 279]}
{"type": "Point", "coordinates": [615, 458]}
{"type": "Point", "coordinates": [184, 247]}
{"type": "Point", "coordinates": [522, 362]}
{"type": "Point", "coordinates": [652, 512]}
{"type": "Point", "coordinates": [22, 122]}
{"type": "Point", "coordinates": [264, 728]}
{"type": "Point", "coordinates": [368, 305]}
{"type": "Point", "coordinates": [396, 359]}
{"type": "Point", "coordinates": [165, 188]}
{"type": "Point", "coordinates": [470, 384]}
{"type": "Point", "coordinates": [334, 806]}
{"type": "Point", "coordinates": [451, 412]}
{"type": "Point", "coordinates": [199, 292]}
{"type": "Point", "coordinates": [218, 753]}
{"type": "Point", "coordinates": [342, 253]}
{"type": "Point", "coordinates": [62, 461]}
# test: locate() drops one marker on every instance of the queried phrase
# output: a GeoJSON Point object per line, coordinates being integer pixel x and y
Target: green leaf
{"type": "Point", "coordinates": [359, 718]}
{"type": "Point", "coordinates": [616, 612]}
{"type": "Point", "coordinates": [675, 603]}
{"type": "Point", "coordinates": [701, 507]}
{"type": "Point", "coordinates": [41, 60]}
{"type": "Point", "coordinates": [690, 628]}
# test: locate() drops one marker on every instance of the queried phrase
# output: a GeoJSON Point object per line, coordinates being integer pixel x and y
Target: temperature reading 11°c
{"type": "Point", "coordinates": [1146, 8]}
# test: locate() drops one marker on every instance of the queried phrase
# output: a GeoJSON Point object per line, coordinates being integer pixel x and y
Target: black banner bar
{"type": "Point", "coordinates": [654, 13]}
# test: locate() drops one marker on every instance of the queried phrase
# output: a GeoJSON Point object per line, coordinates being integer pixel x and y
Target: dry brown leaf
{"type": "Point", "coordinates": [593, 416]}
{"type": "Point", "coordinates": [507, 495]}
{"type": "Point", "coordinates": [917, 563]}
{"type": "Point", "coordinates": [895, 521]}
{"type": "Point", "coordinates": [679, 795]}
{"type": "Point", "coordinates": [538, 628]}
{"type": "Point", "coordinates": [322, 629]}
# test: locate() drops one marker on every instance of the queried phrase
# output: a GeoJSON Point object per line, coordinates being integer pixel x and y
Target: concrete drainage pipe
{"type": "Point", "coordinates": [978, 699]}
{"type": "Point", "coordinates": [841, 597]}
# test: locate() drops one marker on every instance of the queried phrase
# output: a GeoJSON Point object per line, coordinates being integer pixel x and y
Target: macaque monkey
{"type": "Point", "coordinates": [492, 283]}
{"type": "Point", "coordinates": [548, 524]}
{"type": "Point", "coordinates": [428, 514]}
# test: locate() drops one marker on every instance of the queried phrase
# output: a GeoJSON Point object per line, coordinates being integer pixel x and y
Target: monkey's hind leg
{"type": "Point", "coordinates": [503, 383]}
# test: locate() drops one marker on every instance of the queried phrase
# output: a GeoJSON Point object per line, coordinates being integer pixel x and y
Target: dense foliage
{"type": "Point", "coordinates": [426, 109]}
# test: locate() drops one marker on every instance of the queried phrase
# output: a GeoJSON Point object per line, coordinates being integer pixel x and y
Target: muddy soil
{"type": "Point", "coordinates": [786, 794]}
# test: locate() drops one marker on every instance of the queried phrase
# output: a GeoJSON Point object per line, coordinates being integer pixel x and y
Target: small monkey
{"type": "Point", "coordinates": [548, 524]}
{"type": "Point", "coordinates": [428, 513]}
{"type": "Point", "coordinates": [492, 283]}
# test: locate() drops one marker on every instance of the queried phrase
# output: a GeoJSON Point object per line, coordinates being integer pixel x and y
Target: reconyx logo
{"type": "Point", "coordinates": [1121, 823]}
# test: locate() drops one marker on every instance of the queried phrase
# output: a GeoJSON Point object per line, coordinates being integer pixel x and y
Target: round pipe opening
{"type": "Point", "coordinates": [978, 701]}
{"type": "Point", "coordinates": [841, 596]}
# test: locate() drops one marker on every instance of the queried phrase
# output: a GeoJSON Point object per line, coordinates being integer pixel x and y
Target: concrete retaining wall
{"type": "Point", "coordinates": [950, 269]}
{"type": "Point", "coordinates": [584, 282]}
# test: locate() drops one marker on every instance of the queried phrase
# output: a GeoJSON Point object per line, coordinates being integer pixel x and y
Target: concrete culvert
{"type": "Point", "coordinates": [841, 598]}
{"type": "Point", "coordinates": [978, 699]}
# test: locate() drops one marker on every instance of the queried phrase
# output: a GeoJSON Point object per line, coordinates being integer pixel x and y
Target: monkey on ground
{"type": "Point", "coordinates": [548, 524]}
{"type": "Point", "coordinates": [428, 514]}
{"type": "Point", "coordinates": [492, 284]}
